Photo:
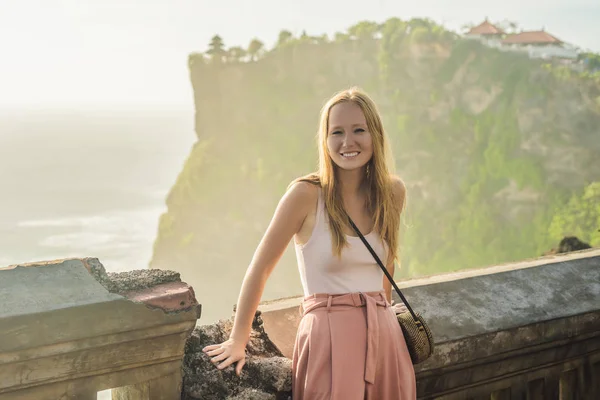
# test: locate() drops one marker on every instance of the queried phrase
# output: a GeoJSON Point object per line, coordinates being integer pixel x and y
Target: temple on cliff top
{"type": "Point", "coordinates": [536, 44]}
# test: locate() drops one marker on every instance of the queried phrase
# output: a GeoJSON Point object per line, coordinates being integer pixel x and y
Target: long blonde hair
{"type": "Point", "coordinates": [380, 197]}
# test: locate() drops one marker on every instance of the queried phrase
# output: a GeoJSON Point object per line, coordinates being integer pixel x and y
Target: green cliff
{"type": "Point", "coordinates": [498, 151]}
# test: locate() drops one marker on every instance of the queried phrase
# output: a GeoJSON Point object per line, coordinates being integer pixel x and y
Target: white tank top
{"type": "Point", "coordinates": [323, 272]}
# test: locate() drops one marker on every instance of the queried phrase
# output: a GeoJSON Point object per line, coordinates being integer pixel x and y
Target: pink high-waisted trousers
{"type": "Point", "coordinates": [350, 347]}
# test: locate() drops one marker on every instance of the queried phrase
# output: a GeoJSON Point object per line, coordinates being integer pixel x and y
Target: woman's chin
{"type": "Point", "coordinates": [350, 165]}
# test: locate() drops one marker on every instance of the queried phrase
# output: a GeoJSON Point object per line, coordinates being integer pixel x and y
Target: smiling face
{"type": "Point", "coordinates": [349, 142]}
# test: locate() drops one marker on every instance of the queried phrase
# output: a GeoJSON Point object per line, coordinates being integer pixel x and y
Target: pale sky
{"type": "Point", "coordinates": [81, 53]}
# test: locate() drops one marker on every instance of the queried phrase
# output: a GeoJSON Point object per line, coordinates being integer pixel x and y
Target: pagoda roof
{"type": "Point", "coordinates": [531, 37]}
{"type": "Point", "coordinates": [486, 28]}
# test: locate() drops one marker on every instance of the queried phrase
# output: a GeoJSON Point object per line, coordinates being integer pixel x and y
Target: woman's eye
{"type": "Point", "coordinates": [336, 132]}
{"type": "Point", "coordinates": [359, 130]}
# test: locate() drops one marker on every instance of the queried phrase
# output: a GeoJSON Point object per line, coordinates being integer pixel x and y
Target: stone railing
{"type": "Point", "coordinates": [68, 330]}
{"type": "Point", "coordinates": [522, 330]}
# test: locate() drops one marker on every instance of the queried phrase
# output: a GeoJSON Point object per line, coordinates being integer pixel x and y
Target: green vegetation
{"type": "Point", "coordinates": [580, 217]}
{"type": "Point", "coordinates": [499, 152]}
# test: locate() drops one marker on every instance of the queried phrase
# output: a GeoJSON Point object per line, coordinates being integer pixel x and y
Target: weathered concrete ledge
{"type": "Point", "coordinates": [69, 330]}
{"type": "Point", "coordinates": [498, 330]}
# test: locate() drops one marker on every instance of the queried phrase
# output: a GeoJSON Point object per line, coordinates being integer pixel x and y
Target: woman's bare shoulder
{"type": "Point", "coordinates": [399, 190]}
{"type": "Point", "coordinates": [398, 185]}
{"type": "Point", "coordinates": [294, 206]}
{"type": "Point", "coordinates": [302, 193]}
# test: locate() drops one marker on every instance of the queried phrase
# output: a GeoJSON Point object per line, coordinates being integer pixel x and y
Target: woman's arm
{"type": "Point", "coordinates": [287, 221]}
{"type": "Point", "coordinates": [400, 195]}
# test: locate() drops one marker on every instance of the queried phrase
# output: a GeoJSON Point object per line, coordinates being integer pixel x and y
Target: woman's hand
{"type": "Point", "coordinates": [227, 353]}
{"type": "Point", "coordinates": [399, 308]}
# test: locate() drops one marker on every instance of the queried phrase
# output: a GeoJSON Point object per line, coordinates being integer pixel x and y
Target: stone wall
{"type": "Point", "coordinates": [69, 330]}
{"type": "Point", "coordinates": [529, 328]}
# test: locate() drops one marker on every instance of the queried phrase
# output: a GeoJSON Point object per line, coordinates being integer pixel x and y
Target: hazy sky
{"type": "Point", "coordinates": [68, 53]}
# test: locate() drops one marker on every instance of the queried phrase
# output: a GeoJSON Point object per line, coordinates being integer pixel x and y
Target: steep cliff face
{"type": "Point", "coordinates": [490, 144]}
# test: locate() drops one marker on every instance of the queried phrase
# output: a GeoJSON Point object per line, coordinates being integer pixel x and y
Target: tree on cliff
{"type": "Point", "coordinates": [195, 58]}
{"type": "Point", "coordinates": [255, 48]}
{"type": "Point", "coordinates": [391, 51]}
{"type": "Point", "coordinates": [216, 49]}
{"type": "Point", "coordinates": [284, 38]}
{"type": "Point", "coordinates": [591, 61]}
{"type": "Point", "coordinates": [236, 54]}
{"type": "Point", "coordinates": [305, 38]}
{"type": "Point", "coordinates": [340, 37]}
{"type": "Point", "coordinates": [320, 39]}
{"type": "Point", "coordinates": [364, 30]}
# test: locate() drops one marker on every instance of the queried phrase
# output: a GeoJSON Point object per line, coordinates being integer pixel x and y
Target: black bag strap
{"type": "Point", "coordinates": [385, 271]}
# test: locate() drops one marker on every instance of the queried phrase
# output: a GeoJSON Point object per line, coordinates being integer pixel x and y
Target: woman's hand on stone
{"type": "Point", "coordinates": [224, 354]}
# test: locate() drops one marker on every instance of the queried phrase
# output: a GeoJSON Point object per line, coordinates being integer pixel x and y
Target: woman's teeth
{"type": "Point", "coordinates": [350, 155]}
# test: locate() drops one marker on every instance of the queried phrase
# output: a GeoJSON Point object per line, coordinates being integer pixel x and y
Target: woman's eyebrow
{"type": "Point", "coordinates": [333, 128]}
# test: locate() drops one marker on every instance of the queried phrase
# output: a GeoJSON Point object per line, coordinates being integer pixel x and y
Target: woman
{"type": "Point", "coordinates": [349, 344]}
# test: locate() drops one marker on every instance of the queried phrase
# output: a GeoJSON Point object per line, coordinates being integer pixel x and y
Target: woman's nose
{"type": "Point", "coordinates": [347, 141]}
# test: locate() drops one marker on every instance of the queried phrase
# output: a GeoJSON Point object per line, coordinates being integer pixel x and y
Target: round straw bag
{"type": "Point", "coordinates": [417, 334]}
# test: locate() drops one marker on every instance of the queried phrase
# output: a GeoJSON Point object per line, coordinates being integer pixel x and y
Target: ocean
{"type": "Point", "coordinates": [87, 183]}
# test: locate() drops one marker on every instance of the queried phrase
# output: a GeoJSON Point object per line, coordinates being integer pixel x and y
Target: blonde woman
{"type": "Point", "coordinates": [349, 344]}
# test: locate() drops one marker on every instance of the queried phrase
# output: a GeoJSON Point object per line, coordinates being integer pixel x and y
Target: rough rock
{"type": "Point", "coordinates": [122, 282]}
{"type": "Point", "coordinates": [571, 243]}
{"type": "Point", "coordinates": [253, 394]}
{"type": "Point", "coordinates": [266, 375]}
{"type": "Point", "coordinates": [568, 244]}
{"type": "Point", "coordinates": [99, 273]}
{"type": "Point", "coordinates": [141, 279]}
